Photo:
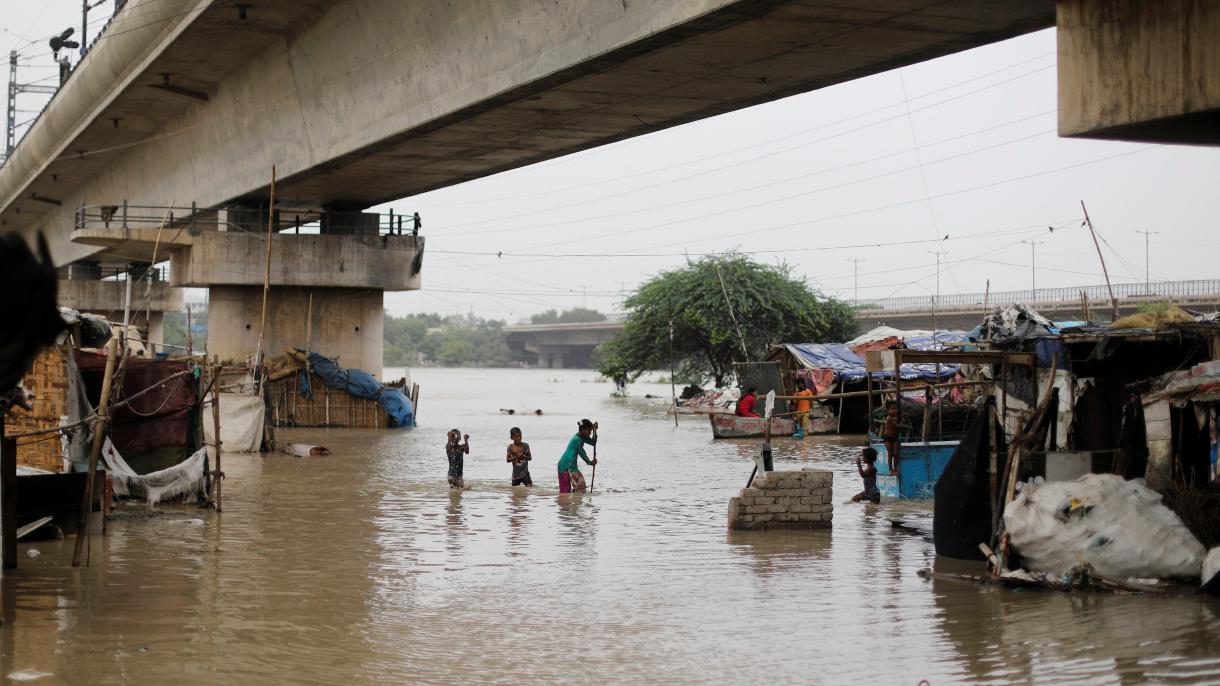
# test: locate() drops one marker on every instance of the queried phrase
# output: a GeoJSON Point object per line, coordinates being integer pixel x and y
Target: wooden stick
{"type": "Point", "coordinates": [218, 475]}
{"type": "Point", "coordinates": [190, 346]}
{"type": "Point", "coordinates": [1104, 271]}
{"type": "Point", "coordinates": [8, 498]}
{"type": "Point", "coordinates": [99, 435]}
{"type": "Point", "coordinates": [309, 325]}
{"type": "Point", "coordinates": [262, 327]}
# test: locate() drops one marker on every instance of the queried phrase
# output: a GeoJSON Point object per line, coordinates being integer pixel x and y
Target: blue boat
{"type": "Point", "coordinates": [920, 465]}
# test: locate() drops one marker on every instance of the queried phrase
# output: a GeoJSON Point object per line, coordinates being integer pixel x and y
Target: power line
{"type": "Point", "coordinates": [747, 189]}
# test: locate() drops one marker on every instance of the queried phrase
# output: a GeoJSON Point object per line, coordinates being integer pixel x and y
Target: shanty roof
{"type": "Point", "coordinates": [847, 363]}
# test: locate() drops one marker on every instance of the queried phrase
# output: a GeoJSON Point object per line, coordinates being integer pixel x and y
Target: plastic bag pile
{"type": "Point", "coordinates": [1119, 527]}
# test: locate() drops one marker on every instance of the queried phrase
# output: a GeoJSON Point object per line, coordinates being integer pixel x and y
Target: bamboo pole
{"type": "Point", "coordinates": [1104, 271]}
{"type": "Point", "coordinates": [262, 327]}
{"type": "Point", "coordinates": [99, 435]}
{"type": "Point", "coordinates": [8, 498]}
{"type": "Point", "coordinates": [218, 475]}
{"type": "Point", "coordinates": [190, 345]}
{"type": "Point", "coordinates": [884, 391]}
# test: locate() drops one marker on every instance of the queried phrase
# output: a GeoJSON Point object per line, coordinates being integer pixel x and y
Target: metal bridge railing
{"type": "Point", "coordinates": [1158, 290]}
{"type": "Point", "coordinates": [288, 221]}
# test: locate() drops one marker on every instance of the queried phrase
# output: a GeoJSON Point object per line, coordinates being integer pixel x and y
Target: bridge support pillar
{"type": "Point", "coordinates": [1140, 70]}
{"type": "Point", "coordinates": [346, 323]}
{"type": "Point", "coordinates": [551, 359]}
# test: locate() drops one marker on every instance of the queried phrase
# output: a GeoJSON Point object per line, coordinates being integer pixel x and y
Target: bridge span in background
{"type": "Point", "coordinates": [965, 310]}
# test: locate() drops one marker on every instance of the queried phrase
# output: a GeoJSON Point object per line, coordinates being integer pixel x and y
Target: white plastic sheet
{"type": "Point", "coordinates": [1119, 527]}
{"type": "Point", "coordinates": [241, 423]}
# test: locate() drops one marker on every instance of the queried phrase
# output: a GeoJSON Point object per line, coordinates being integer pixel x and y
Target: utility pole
{"type": "Point", "coordinates": [1033, 264]}
{"type": "Point", "coordinates": [855, 275]}
{"type": "Point", "coordinates": [936, 297]}
{"type": "Point", "coordinates": [85, 8]}
{"type": "Point", "coordinates": [1147, 267]}
{"type": "Point", "coordinates": [15, 89]}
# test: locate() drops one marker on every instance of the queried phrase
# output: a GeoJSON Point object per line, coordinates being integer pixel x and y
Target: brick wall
{"type": "Point", "coordinates": [784, 500]}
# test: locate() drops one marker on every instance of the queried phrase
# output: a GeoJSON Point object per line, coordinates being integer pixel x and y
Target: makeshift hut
{"type": "Point", "coordinates": [1138, 403]}
{"type": "Point", "coordinates": [312, 390]}
{"type": "Point", "coordinates": [840, 368]}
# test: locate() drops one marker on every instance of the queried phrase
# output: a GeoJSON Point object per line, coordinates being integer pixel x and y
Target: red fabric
{"type": "Point", "coordinates": [565, 482]}
{"type": "Point", "coordinates": [158, 419]}
{"type": "Point", "coordinates": [817, 380]}
{"type": "Point", "coordinates": [745, 407]}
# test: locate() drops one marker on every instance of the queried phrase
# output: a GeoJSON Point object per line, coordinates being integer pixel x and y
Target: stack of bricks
{"type": "Point", "coordinates": [784, 500]}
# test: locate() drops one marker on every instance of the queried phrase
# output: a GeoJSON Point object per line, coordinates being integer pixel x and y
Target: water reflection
{"type": "Point", "coordinates": [364, 567]}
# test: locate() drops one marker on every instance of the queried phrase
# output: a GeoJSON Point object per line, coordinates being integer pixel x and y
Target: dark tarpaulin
{"type": "Point", "coordinates": [362, 385]}
{"type": "Point", "coordinates": [962, 516]}
{"type": "Point", "coordinates": [162, 418]}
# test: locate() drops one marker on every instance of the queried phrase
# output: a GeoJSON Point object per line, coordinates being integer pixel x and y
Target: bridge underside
{"type": "Point", "coordinates": [366, 101]}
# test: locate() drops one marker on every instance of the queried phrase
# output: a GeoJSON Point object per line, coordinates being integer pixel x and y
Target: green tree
{"type": "Point", "coordinates": [455, 352]}
{"type": "Point", "coordinates": [770, 305]}
{"type": "Point", "coordinates": [576, 315]}
{"type": "Point", "coordinates": [455, 341]}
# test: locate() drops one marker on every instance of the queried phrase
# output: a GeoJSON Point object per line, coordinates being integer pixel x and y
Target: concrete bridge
{"type": "Point", "coordinates": [189, 103]}
{"type": "Point", "coordinates": [556, 346]}
{"type": "Point", "coordinates": [965, 311]}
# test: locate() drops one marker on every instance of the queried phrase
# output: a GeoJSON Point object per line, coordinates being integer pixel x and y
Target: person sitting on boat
{"type": "Point", "coordinates": [803, 406]}
{"type": "Point", "coordinates": [570, 478]}
{"type": "Point", "coordinates": [745, 406]}
{"type": "Point", "coordinates": [869, 473]}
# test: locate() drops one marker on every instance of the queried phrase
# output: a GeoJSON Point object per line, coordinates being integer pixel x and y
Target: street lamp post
{"type": "Point", "coordinates": [1147, 264]}
{"type": "Point", "coordinates": [936, 296]}
{"type": "Point", "coordinates": [855, 275]}
{"type": "Point", "coordinates": [1033, 271]}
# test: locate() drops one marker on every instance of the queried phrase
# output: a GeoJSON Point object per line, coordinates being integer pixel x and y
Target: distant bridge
{"type": "Point", "coordinates": [964, 311]}
{"type": "Point", "coordinates": [555, 346]}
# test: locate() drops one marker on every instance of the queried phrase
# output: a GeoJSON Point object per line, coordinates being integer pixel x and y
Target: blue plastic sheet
{"type": "Point", "coordinates": [362, 385]}
{"type": "Point", "coordinates": [848, 366]}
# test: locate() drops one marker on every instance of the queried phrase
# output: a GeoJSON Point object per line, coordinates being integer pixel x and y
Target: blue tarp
{"type": "Point", "coordinates": [848, 366]}
{"type": "Point", "coordinates": [362, 385]}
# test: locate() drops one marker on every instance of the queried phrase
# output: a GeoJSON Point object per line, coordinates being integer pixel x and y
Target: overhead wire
{"type": "Point", "coordinates": [745, 189]}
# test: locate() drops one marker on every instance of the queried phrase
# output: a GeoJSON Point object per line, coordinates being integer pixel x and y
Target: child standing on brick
{"type": "Point", "coordinates": [456, 453]}
{"type": "Point", "coordinates": [519, 457]}
{"type": "Point", "coordinates": [868, 472]}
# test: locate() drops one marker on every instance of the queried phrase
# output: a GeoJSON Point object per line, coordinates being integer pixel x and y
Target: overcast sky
{"type": "Point", "coordinates": [814, 180]}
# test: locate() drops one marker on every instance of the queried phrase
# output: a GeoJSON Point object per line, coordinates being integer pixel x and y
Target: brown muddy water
{"type": "Point", "coordinates": [363, 567]}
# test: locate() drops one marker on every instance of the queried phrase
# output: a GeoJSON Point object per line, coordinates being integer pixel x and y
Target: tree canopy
{"type": "Point", "coordinates": [770, 306]}
{"type": "Point", "coordinates": [455, 341]}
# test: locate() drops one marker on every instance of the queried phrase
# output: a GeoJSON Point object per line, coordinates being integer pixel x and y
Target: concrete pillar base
{"type": "Point", "coordinates": [346, 323]}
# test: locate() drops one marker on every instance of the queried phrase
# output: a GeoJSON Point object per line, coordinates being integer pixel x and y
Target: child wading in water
{"type": "Point", "coordinates": [519, 456]}
{"type": "Point", "coordinates": [456, 451]}
{"type": "Point", "coordinates": [570, 478]}
{"type": "Point", "coordinates": [869, 474]}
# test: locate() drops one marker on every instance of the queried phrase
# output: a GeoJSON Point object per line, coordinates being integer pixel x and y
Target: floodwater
{"type": "Point", "coordinates": [363, 567]}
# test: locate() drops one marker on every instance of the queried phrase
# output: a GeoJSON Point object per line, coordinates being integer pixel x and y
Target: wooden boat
{"type": "Point", "coordinates": [732, 426]}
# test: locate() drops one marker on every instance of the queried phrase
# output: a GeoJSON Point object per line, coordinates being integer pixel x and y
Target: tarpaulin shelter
{"type": "Point", "coordinates": [840, 366]}
{"type": "Point", "coordinates": [310, 389]}
{"type": "Point", "coordinates": [155, 430]}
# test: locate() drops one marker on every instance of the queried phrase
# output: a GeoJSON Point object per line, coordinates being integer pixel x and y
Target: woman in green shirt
{"type": "Point", "coordinates": [570, 478]}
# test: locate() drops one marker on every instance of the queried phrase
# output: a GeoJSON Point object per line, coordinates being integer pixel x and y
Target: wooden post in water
{"type": "Point", "coordinates": [8, 498]}
{"type": "Point", "coordinates": [218, 475]}
{"type": "Point", "coordinates": [99, 435]}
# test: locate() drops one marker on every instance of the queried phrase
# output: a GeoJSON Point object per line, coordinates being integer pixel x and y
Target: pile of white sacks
{"type": "Point", "coordinates": [1119, 527]}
